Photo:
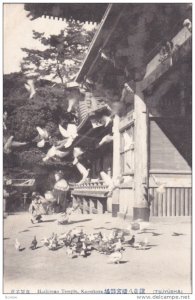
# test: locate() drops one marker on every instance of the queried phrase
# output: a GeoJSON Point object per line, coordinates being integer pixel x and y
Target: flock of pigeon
{"type": "Point", "coordinates": [78, 243]}
{"type": "Point", "coordinates": [68, 144]}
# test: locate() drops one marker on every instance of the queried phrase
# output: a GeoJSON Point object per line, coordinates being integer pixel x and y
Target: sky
{"type": "Point", "coordinates": [18, 34]}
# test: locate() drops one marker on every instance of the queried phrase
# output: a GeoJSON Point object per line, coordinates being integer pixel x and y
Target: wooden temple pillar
{"type": "Point", "coordinates": [116, 164]}
{"type": "Point", "coordinates": [140, 207]}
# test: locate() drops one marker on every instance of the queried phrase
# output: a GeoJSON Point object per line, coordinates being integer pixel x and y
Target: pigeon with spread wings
{"type": "Point", "coordinates": [30, 87]}
{"type": "Point", "coordinates": [69, 134]}
{"type": "Point", "coordinates": [43, 136]}
{"type": "Point", "coordinates": [54, 151]}
{"type": "Point", "coordinates": [84, 172]}
{"type": "Point", "coordinates": [9, 144]}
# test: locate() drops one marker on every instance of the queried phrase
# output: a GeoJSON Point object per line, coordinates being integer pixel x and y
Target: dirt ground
{"type": "Point", "coordinates": [165, 266]}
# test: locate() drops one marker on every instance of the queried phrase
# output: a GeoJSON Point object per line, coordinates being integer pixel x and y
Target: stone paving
{"type": "Point", "coordinates": [165, 266]}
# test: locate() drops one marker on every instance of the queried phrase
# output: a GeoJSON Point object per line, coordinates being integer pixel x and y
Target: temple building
{"type": "Point", "coordinates": [137, 73]}
{"type": "Point", "coordinates": [140, 60]}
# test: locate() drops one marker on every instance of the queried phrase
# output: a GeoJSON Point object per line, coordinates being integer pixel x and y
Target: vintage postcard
{"type": "Point", "coordinates": [97, 149]}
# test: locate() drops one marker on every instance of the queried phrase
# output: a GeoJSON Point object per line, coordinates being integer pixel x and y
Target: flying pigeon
{"type": "Point", "coordinates": [44, 136]}
{"type": "Point", "coordinates": [30, 87]}
{"type": "Point", "coordinates": [106, 120]}
{"type": "Point", "coordinates": [106, 57]}
{"type": "Point", "coordinates": [95, 123]}
{"type": "Point", "coordinates": [106, 139]}
{"type": "Point", "coordinates": [71, 104]}
{"type": "Point", "coordinates": [70, 134]}
{"type": "Point", "coordinates": [77, 151]}
{"type": "Point", "coordinates": [4, 120]}
{"type": "Point", "coordinates": [107, 180]}
{"type": "Point", "coordinates": [9, 144]}
{"type": "Point", "coordinates": [188, 24]}
{"type": "Point", "coordinates": [84, 172]}
{"type": "Point", "coordinates": [53, 151]}
{"type": "Point", "coordinates": [127, 141]}
{"type": "Point", "coordinates": [161, 188]}
{"type": "Point", "coordinates": [34, 244]}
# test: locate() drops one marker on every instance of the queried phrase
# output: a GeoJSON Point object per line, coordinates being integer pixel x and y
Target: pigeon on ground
{"type": "Point", "coordinates": [131, 241]}
{"type": "Point", "coordinates": [69, 251]}
{"type": "Point", "coordinates": [45, 242]}
{"type": "Point", "coordinates": [118, 245]}
{"type": "Point", "coordinates": [115, 257]}
{"type": "Point", "coordinates": [17, 245]}
{"type": "Point", "coordinates": [34, 244]}
{"type": "Point", "coordinates": [143, 245]}
{"type": "Point", "coordinates": [140, 225]}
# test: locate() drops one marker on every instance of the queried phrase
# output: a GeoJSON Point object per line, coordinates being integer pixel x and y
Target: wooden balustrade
{"type": "Point", "coordinates": [91, 197]}
{"type": "Point", "coordinates": [175, 201]}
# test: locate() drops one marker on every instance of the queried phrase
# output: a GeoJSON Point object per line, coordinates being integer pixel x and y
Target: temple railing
{"type": "Point", "coordinates": [91, 197]}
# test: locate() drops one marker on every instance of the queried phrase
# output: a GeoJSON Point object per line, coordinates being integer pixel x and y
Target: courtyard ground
{"type": "Point", "coordinates": [165, 266]}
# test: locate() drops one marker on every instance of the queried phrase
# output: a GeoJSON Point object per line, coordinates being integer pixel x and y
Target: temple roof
{"type": "Point", "coordinates": [130, 35]}
{"type": "Point", "coordinates": [83, 12]}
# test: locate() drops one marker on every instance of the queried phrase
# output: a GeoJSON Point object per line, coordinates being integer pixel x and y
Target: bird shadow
{"type": "Point", "coordinates": [49, 221]}
{"type": "Point", "coordinates": [148, 247]}
{"type": "Point", "coordinates": [114, 228]}
{"type": "Point", "coordinates": [79, 221]}
{"type": "Point", "coordinates": [57, 248]}
{"type": "Point", "coordinates": [6, 238]}
{"type": "Point", "coordinates": [26, 230]}
{"type": "Point", "coordinates": [22, 249]}
{"type": "Point", "coordinates": [177, 234]}
{"type": "Point", "coordinates": [34, 226]}
{"type": "Point", "coordinates": [123, 261]}
{"type": "Point", "coordinates": [143, 249]}
{"type": "Point", "coordinates": [107, 222]}
{"type": "Point", "coordinates": [39, 247]}
{"type": "Point", "coordinates": [153, 233]}
{"type": "Point", "coordinates": [156, 234]}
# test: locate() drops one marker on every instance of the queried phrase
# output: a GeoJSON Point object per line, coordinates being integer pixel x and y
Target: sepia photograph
{"type": "Point", "coordinates": [97, 148]}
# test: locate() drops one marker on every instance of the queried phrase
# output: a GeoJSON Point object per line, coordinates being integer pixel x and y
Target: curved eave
{"type": "Point", "coordinates": [110, 17]}
{"type": "Point", "coordinates": [82, 12]}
